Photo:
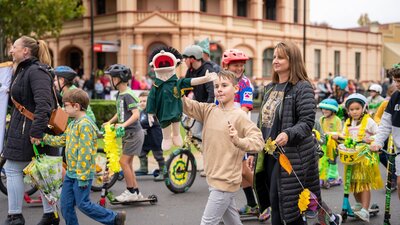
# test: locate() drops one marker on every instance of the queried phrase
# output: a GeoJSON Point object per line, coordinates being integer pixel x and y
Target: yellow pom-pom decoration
{"type": "Point", "coordinates": [304, 200]}
{"type": "Point", "coordinates": [112, 149]}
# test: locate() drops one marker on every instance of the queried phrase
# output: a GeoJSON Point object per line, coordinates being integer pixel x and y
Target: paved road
{"type": "Point", "coordinates": [187, 208]}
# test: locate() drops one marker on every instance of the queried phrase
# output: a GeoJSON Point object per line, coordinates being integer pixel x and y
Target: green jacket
{"type": "Point", "coordinates": [165, 99]}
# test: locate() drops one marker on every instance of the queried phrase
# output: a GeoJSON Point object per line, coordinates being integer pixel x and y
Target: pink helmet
{"type": "Point", "coordinates": [233, 55]}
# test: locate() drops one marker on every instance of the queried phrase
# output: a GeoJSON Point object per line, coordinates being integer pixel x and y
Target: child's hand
{"type": "Point", "coordinates": [106, 123]}
{"type": "Point", "coordinates": [150, 119]}
{"type": "Point", "coordinates": [119, 125]}
{"type": "Point", "coordinates": [375, 147]}
{"type": "Point", "coordinates": [233, 133]}
{"type": "Point", "coordinates": [368, 140]}
{"type": "Point", "coordinates": [250, 162]}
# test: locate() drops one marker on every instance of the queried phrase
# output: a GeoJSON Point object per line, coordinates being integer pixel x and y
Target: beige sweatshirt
{"type": "Point", "coordinates": [223, 158]}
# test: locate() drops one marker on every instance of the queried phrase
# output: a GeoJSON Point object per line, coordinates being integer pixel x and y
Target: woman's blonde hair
{"type": "Point", "coordinates": [296, 66]}
{"type": "Point", "coordinates": [38, 49]}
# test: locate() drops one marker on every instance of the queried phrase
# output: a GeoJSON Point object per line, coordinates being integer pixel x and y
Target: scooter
{"type": "Point", "coordinates": [105, 193]}
{"type": "Point", "coordinates": [390, 169]}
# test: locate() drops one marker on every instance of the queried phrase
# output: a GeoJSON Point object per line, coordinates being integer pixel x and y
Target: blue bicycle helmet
{"type": "Point", "coordinates": [341, 82]}
{"type": "Point", "coordinates": [356, 97]}
{"type": "Point", "coordinates": [329, 104]}
{"type": "Point", "coordinates": [65, 72]}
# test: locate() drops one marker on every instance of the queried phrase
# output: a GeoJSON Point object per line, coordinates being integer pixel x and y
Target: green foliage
{"type": "Point", "coordinates": [35, 18]}
{"type": "Point", "coordinates": [104, 110]}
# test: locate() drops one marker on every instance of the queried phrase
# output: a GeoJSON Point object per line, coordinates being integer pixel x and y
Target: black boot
{"type": "Point", "coordinates": [120, 218]}
{"type": "Point", "coordinates": [14, 219]}
{"type": "Point", "coordinates": [49, 219]}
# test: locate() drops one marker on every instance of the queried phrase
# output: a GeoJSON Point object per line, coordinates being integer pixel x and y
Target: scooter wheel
{"type": "Point", "coordinates": [156, 172]}
{"type": "Point", "coordinates": [344, 216]}
{"type": "Point", "coordinates": [153, 199]}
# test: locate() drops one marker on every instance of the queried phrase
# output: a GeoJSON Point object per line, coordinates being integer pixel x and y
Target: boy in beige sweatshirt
{"type": "Point", "coordinates": [227, 134]}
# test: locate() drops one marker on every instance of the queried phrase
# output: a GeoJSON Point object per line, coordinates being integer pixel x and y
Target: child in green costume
{"type": "Point", "coordinates": [331, 124]}
{"type": "Point", "coordinates": [164, 99]}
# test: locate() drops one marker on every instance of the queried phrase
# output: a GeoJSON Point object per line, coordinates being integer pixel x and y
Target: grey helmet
{"type": "Point", "coordinates": [193, 51]}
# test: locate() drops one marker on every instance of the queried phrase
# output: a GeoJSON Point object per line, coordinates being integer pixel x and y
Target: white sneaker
{"type": "Point", "coordinates": [122, 197]}
{"type": "Point", "coordinates": [356, 207]}
{"type": "Point", "coordinates": [363, 214]}
{"type": "Point", "coordinates": [139, 196]}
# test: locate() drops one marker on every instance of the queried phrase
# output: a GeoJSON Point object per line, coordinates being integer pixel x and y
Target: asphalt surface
{"type": "Point", "coordinates": [187, 208]}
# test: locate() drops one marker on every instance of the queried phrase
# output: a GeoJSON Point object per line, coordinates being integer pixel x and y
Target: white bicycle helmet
{"type": "Point", "coordinates": [376, 88]}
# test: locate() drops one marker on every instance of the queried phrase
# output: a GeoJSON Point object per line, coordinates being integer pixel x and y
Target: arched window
{"type": "Point", "coordinates": [268, 56]}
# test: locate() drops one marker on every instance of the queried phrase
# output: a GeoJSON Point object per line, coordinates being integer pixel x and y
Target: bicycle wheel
{"type": "Point", "coordinates": [180, 171]}
{"type": "Point", "coordinates": [29, 189]}
{"type": "Point", "coordinates": [101, 163]}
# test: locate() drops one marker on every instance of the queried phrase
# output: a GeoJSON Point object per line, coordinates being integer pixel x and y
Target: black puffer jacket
{"type": "Point", "coordinates": [203, 92]}
{"type": "Point", "coordinates": [32, 88]}
{"type": "Point", "coordinates": [297, 122]}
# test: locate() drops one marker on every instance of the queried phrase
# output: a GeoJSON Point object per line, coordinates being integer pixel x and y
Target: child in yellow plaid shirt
{"type": "Point", "coordinates": [81, 145]}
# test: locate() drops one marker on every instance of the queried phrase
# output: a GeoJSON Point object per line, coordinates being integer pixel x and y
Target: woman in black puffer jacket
{"type": "Point", "coordinates": [287, 116]}
{"type": "Point", "coordinates": [32, 88]}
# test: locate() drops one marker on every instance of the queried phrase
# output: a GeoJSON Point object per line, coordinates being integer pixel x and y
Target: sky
{"type": "Point", "coordinates": [345, 13]}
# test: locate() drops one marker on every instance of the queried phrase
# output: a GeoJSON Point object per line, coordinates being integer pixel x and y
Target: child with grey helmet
{"type": "Point", "coordinates": [127, 116]}
{"type": "Point", "coordinates": [374, 99]}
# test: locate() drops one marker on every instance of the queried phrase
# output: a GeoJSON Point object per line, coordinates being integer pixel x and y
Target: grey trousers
{"type": "Point", "coordinates": [220, 205]}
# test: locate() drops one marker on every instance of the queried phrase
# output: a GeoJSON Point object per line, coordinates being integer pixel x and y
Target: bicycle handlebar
{"type": "Point", "coordinates": [390, 154]}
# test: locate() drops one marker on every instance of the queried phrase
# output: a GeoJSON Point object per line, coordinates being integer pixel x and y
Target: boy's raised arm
{"type": "Point", "coordinates": [193, 109]}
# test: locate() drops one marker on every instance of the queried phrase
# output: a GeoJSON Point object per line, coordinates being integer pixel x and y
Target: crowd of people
{"type": "Point", "coordinates": [238, 153]}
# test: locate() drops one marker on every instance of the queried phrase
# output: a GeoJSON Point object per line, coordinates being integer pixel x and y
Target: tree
{"type": "Point", "coordinates": [364, 20]}
{"type": "Point", "coordinates": [36, 18]}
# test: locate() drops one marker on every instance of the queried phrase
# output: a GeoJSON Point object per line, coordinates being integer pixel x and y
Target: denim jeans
{"type": "Point", "coordinates": [15, 187]}
{"type": "Point", "coordinates": [72, 195]}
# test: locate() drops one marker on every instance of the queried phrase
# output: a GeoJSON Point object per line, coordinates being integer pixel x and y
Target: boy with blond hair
{"type": "Point", "coordinates": [227, 134]}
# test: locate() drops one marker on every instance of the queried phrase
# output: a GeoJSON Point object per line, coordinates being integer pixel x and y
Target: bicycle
{"type": "Point", "coordinates": [180, 169]}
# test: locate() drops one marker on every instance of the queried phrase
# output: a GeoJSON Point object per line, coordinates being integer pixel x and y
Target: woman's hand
{"type": "Point", "coordinates": [282, 139]}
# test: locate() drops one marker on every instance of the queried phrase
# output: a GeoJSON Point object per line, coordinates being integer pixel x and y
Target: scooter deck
{"type": "Point", "coordinates": [154, 173]}
{"type": "Point", "coordinates": [152, 199]}
{"type": "Point", "coordinates": [248, 217]}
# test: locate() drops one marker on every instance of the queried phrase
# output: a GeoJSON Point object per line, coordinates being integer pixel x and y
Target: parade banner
{"type": "Point", "coordinates": [5, 80]}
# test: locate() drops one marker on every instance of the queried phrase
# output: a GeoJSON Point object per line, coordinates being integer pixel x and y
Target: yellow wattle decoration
{"type": "Point", "coordinates": [112, 149]}
{"type": "Point", "coordinates": [304, 200]}
{"type": "Point", "coordinates": [270, 146]}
